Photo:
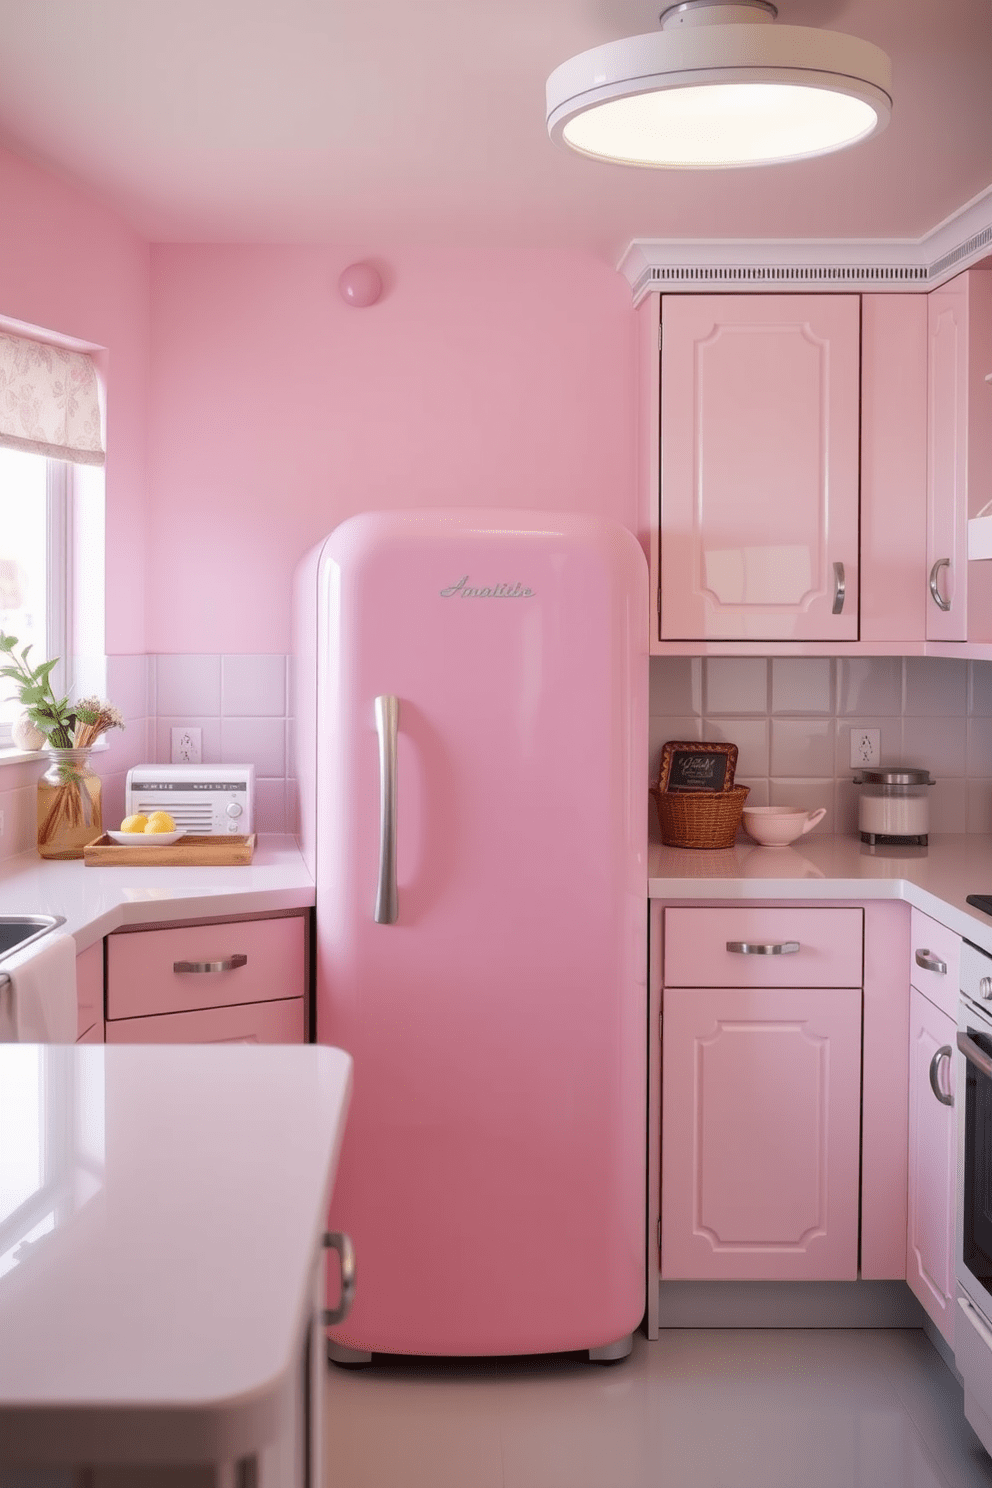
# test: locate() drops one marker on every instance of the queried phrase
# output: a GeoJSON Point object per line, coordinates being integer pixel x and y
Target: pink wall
{"type": "Point", "coordinates": [277, 410]}
{"type": "Point", "coordinates": [69, 265]}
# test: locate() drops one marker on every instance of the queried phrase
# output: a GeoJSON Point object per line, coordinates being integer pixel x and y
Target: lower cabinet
{"type": "Point", "coordinates": [231, 981]}
{"type": "Point", "coordinates": [932, 1123]}
{"type": "Point", "coordinates": [89, 995]}
{"type": "Point", "coordinates": [761, 1133]}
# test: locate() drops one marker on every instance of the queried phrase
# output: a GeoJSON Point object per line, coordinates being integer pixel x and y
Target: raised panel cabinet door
{"type": "Point", "coordinates": [761, 1118]}
{"type": "Point", "coordinates": [760, 467]}
{"type": "Point", "coordinates": [255, 1023]}
{"type": "Point", "coordinates": [932, 1162]}
{"type": "Point", "coordinates": [947, 462]}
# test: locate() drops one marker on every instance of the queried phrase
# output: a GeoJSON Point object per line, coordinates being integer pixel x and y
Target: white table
{"type": "Point", "coordinates": [162, 1210]}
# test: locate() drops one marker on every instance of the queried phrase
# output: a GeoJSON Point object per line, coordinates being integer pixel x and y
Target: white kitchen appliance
{"type": "Point", "coordinates": [472, 731]}
{"type": "Point", "coordinates": [973, 1261]}
{"type": "Point", "coordinates": [205, 800]}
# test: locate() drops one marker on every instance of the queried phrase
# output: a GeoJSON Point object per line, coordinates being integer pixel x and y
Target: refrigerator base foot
{"type": "Point", "coordinates": [339, 1353]}
{"type": "Point", "coordinates": [609, 1353]}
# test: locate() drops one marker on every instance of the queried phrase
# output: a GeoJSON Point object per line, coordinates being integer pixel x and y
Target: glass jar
{"type": "Point", "coordinates": [70, 812]}
{"type": "Point", "coordinates": [894, 806]}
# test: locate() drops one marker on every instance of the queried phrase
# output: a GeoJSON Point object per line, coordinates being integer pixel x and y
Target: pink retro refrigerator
{"type": "Point", "coordinates": [472, 755]}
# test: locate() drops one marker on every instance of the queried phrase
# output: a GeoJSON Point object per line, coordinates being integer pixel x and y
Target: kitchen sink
{"type": "Point", "coordinates": [18, 930]}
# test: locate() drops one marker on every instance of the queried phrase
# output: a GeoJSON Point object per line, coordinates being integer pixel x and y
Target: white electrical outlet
{"type": "Point", "coordinates": [186, 746]}
{"type": "Point", "coordinates": [865, 746]}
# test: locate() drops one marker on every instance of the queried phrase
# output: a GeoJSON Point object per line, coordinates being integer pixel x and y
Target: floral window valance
{"type": "Point", "coordinates": [49, 401]}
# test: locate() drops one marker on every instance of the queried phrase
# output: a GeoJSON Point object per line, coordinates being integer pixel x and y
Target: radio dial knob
{"type": "Point", "coordinates": [985, 988]}
{"type": "Point", "coordinates": [235, 810]}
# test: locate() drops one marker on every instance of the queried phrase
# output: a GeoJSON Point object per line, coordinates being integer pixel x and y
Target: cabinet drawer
{"type": "Point", "coordinates": [253, 1023]}
{"type": "Point", "coordinates": [934, 944]}
{"type": "Point", "coordinates": [142, 980]}
{"type": "Point", "coordinates": [830, 950]}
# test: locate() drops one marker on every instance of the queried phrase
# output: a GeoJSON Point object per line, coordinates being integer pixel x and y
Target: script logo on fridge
{"type": "Point", "coordinates": [496, 591]}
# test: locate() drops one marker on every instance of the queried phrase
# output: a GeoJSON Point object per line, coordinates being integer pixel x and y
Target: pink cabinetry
{"type": "Point", "coordinates": [234, 980]}
{"type": "Point", "coordinates": [89, 994]}
{"type": "Point", "coordinates": [959, 439]}
{"type": "Point", "coordinates": [761, 1088]}
{"type": "Point", "coordinates": [932, 1128]}
{"type": "Point", "coordinates": [760, 453]}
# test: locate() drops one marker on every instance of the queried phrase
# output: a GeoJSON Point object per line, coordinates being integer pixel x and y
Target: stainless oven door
{"type": "Point", "coordinates": [974, 1195]}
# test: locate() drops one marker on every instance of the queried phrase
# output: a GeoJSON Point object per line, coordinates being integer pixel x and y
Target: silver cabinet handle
{"type": "Point", "coordinates": [780, 948]}
{"type": "Point", "coordinates": [944, 1052]}
{"type": "Point", "coordinates": [930, 962]}
{"type": "Point", "coordinates": [387, 718]}
{"type": "Point", "coordinates": [231, 964]}
{"type": "Point", "coordinates": [975, 1055]}
{"type": "Point", "coordinates": [938, 599]}
{"type": "Point", "coordinates": [840, 588]}
{"type": "Point", "coordinates": [335, 1240]}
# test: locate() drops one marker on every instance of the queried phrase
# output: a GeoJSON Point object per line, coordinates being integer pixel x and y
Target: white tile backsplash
{"type": "Point", "coordinates": [187, 686]}
{"type": "Point", "coordinates": [931, 712]}
{"type": "Point", "coordinates": [253, 686]}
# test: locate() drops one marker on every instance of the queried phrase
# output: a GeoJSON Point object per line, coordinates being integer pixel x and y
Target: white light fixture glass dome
{"type": "Point", "coordinates": [720, 86]}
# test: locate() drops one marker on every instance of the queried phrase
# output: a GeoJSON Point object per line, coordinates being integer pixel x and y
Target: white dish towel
{"type": "Point", "coordinates": [38, 1002]}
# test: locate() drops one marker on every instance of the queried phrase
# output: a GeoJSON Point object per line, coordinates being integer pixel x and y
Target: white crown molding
{"type": "Point", "coordinates": [680, 265]}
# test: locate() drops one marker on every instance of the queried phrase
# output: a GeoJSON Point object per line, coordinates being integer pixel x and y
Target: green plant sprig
{"type": "Point", "coordinates": [54, 716]}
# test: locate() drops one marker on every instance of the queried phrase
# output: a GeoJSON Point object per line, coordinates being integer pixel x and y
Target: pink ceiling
{"type": "Point", "coordinates": [375, 121]}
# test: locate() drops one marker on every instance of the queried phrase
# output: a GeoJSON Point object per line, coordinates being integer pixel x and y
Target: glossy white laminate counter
{"type": "Point", "coordinates": [936, 879]}
{"type": "Point", "coordinates": [95, 901]}
{"type": "Point", "coordinates": [160, 1228]}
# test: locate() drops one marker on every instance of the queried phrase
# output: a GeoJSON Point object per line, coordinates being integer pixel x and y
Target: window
{"type": "Point", "coordinates": [51, 504]}
{"type": "Point", "coordinates": [35, 567]}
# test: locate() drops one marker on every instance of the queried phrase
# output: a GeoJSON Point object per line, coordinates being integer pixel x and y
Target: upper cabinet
{"type": "Point", "coordinates": [784, 460]}
{"type": "Point", "coordinates": [760, 421]}
{"type": "Point", "coordinates": [959, 473]}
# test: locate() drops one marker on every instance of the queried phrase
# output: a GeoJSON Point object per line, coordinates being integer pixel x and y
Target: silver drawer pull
{"type": "Point", "coordinates": [938, 598]}
{"type": "Point", "coordinates": [840, 589]}
{"type": "Point", "coordinates": [930, 962]}
{"type": "Point", "coordinates": [944, 1052]}
{"type": "Point", "coordinates": [231, 964]}
{"type": "Point", "coordinates": [779, 948]}
{"type": "Point", "coordinates": [335, 1240]}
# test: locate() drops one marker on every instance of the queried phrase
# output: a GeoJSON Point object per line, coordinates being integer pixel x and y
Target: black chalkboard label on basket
{"type": "Point", "coordinates": [689, 766]}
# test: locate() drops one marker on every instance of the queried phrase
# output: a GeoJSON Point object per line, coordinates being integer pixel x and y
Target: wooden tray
{"type": "Point", "coordinates": [190, 851]}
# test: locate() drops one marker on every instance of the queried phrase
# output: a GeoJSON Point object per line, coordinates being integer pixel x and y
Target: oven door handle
{"type": "Point", "coordinates": [975, 1055]}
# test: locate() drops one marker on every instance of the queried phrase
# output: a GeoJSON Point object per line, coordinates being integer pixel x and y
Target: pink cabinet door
{"type": "Point", "coordinates": [255, 1023]}
{"type": "Point", "coordinates": [760, 457]}
{"type": "Point", "coordinates": [89, 989]}
{"type": "Point", "coordinates": [760, 1133]}
{"type": "Point", "coordinates": [260, 960]}
{"type": "Point", "coordinates": [947, 467]}
{"type": "Point", "coordinates": [932, 1163]}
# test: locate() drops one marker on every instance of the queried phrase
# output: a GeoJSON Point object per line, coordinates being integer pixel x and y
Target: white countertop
{"type": "Point", "coordinates": [936, 879]}
{"type": "Point", "coordinates": [161, 1216]}
{"type": "Point", "coordinates": [95, 901]}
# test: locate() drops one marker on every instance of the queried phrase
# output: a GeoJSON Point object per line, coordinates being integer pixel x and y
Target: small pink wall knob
{"type": "Point", "coordinates": [360, 285]}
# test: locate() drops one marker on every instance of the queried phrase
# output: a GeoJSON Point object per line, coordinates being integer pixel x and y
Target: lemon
{"type": "Point", "coordinates": [160, 821]}
{"type": "Point", "coordinates": [134, 823]}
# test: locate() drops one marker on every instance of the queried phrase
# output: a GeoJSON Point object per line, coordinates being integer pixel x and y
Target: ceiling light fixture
{"type": "Point", "coordinates": [719, 86]}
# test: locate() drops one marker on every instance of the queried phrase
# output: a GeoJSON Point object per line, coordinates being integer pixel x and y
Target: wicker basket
{"type": "Point", "coordinates": [700, 818]}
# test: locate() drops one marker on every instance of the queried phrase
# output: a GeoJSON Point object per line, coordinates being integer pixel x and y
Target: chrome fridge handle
{"type": "Point", "coordinates": [840, 588]}
{"type": "Point", "coordinates": [938, 599]}
{"type": "Point", "coordinates": [944, 1052]}
{"type": "Point", "coordinates": [336, 1240]}
{"type": "Point", "coordinates": [387, 717]}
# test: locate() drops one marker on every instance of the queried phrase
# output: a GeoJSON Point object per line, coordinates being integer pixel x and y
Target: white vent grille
{"type": "Point", "coordinates": [194, 819]}
{"type": "Point", "coordinates": [856, 275]}
{"type": "Point", "coordinates": [963, 250]}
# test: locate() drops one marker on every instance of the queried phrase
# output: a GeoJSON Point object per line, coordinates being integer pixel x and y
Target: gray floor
{"type": "Point", "coordinates": [698, 1409]}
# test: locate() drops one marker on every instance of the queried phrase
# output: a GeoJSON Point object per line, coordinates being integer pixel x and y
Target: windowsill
{"type": "Point", "coordinates": [11, 756]}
